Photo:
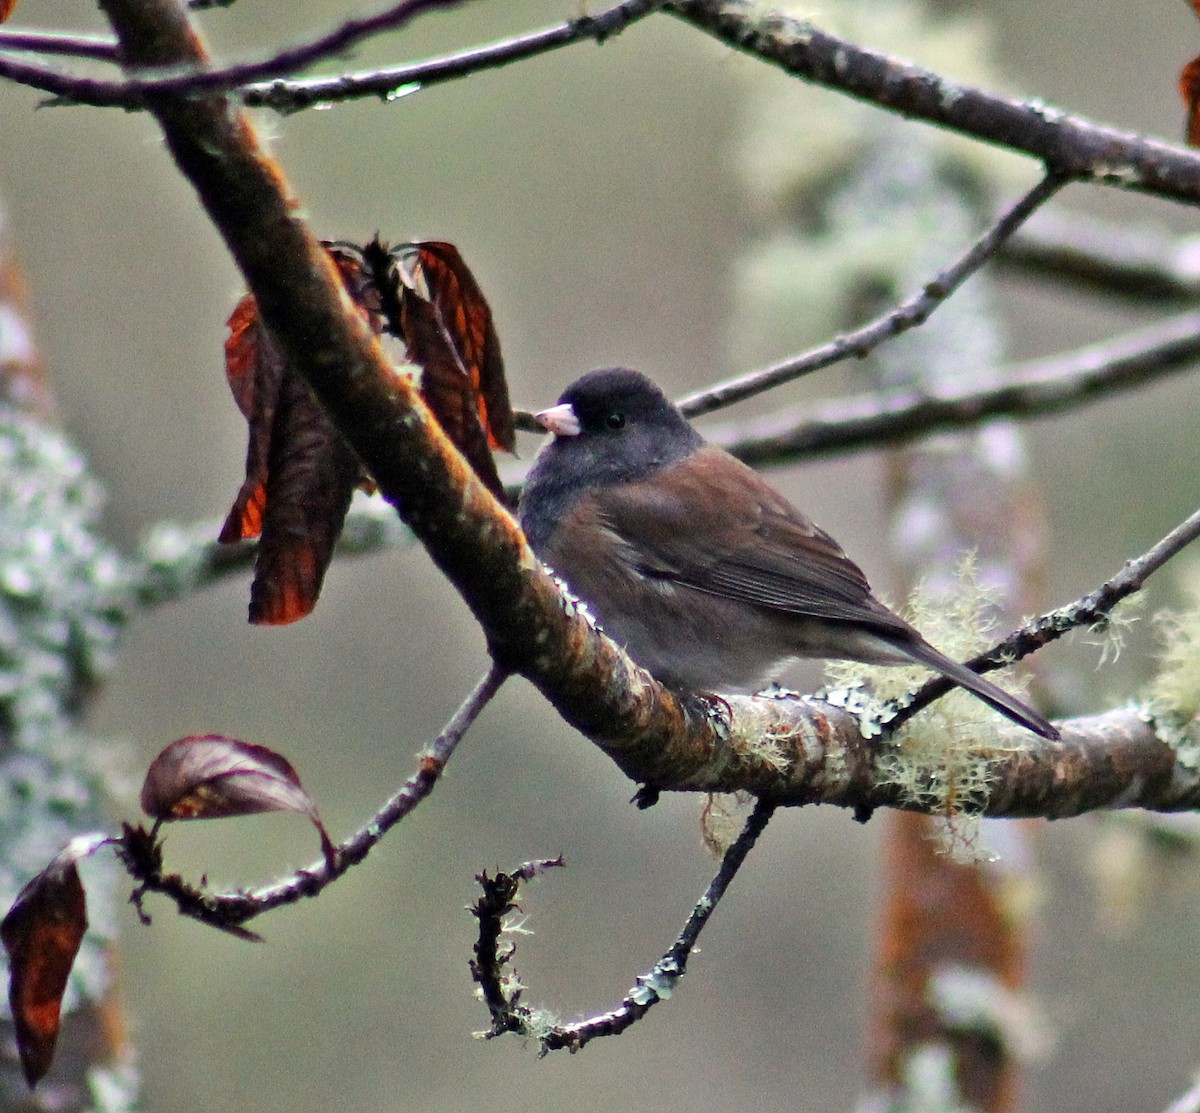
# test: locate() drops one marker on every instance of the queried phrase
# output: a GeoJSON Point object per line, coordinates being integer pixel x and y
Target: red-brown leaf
{"type": "Point", "coordinates": [42, 933]}
{"type": "Point", "coordinates": [6, 9]}
{"type": "Point", "coordinates": [255, 373]}
{"type": "Point", "coordinates": [446, 387]}
{"type": "Point", "coordinates": [209, 776]}
{"type": "Point", "coordinates": [300, 473]}
{"type": "Point", "coordinates": [468, 317]}
{"type": "Point", "coordinates": [311, 474]}
{"type": "Point", "coordinates": [449, 332]}
{"type": "Point", "coordinates": [1189, 89]}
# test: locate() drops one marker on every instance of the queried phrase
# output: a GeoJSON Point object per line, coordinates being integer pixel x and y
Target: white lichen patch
{"type": "Point", "coordinates": [970, 999]}
{"type": "Point", "coordinates": [659, 984]}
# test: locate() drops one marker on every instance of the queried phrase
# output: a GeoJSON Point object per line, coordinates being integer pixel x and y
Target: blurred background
{"type": "Point", "coordinates": [599, 196]}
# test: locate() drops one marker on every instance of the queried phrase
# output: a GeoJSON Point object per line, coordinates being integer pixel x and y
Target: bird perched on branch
{"type": "Point", "coordinates": [688, 558]}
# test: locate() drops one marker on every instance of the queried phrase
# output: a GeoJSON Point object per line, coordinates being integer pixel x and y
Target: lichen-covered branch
{"type": "Point", "coordinates": [503, 992]}
{"type": "Point", "coordinates": [816, 751]}
{"type": "Point", "coordinates": [1068, 145]}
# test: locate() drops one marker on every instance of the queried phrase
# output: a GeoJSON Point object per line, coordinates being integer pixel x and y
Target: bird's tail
{"type": "Point", "coordinates": [991, 694]}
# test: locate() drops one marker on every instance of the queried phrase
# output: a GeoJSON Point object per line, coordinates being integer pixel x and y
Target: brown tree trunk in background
{"type": "Point", "coordinates": [948, 926]}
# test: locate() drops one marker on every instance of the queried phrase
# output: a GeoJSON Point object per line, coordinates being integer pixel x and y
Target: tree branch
{"type": "Point", "coordinates": [1068, 145]}
{"type": "Point", "coordinates": [1144, 263]}
{"type": "Point", "coordinates": [229, 911]}
{"type": "Point", "coordinates": [1093, 608]}
{"type": "Point", "coordinates": [1036, 389]}
{"type": "Point", "coordinates": [249, 79]}
{"type": "Point", "coordinates": [909, 314]}
{"type": "Point", "coordinates": [794, 751]}
{"type": "Point", "coordinates": [175, 561]}
{"type": "Point", "coordinates": [45, 42]}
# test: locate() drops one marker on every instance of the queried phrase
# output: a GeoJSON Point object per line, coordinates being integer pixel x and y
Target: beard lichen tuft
{"type": "Point", "coordinates": [946, 759]}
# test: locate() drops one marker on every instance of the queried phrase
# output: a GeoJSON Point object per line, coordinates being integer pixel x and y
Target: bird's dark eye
{"type": "Point", "coordinates": [615, 420]}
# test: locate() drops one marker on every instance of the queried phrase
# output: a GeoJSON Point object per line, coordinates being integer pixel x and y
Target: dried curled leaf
{"type": "Point", "coordinates": [300, 473]}
{"type": "Point", "coordinates": [209, 776]}
{"type": "Point", "coordinates": [42, 933]}
{"type": "Point", "coordinates": [1189, 89]}
{"type": "Point", "coordinates": [446, 325]}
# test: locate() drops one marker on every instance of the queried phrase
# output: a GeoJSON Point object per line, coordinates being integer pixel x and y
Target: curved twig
{"type": "Point", "coordinates": [504, 1001]}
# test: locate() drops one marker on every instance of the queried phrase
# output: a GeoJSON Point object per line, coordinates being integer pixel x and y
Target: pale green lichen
{"type": "Point", "coordinates": [760, 736]}
{"type": "Point", "coordinates": [929, 1082]}
{"type": "Point", "coordinates": [945, 759]}
{"type": "Point", "coordinates": [1109, 634]}
{"type": "Point", "coordinates": [1174, 693]}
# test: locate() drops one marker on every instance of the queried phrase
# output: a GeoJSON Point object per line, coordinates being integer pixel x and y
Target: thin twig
{"type": "Point", "coordinates": [1143, 263]}
{"type": "Point", "coordinates": [250, 79]}
{"type": "Point", "coordinates": [295, 95]}
{"type": "Point", "coordinates": [175, 561]}
{"type": "Point", "coordinates": [286, 61]}
{"type": "Point", "coordinates": [47, 42]}
{"type": "Point", "coordinates": [504, 1003]}
{"type": "Point", "coordinates": [909, 314]}
{"type": "Point", "coordinates": [1035, 389]}
{"type": "Point", "coordinates": [231, 910]}
{"type": "Point", "coordinates": [1090, 609]}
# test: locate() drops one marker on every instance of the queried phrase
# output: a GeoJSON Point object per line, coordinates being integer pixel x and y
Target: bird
{"type": "Point", "coordinates": [707, 576]}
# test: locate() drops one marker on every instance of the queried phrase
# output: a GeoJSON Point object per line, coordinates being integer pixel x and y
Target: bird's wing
{"type": "Point", "coordinates": [770, 555]}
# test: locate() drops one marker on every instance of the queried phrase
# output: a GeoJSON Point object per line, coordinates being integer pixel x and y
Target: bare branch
{"type": "Point", "coordinates": [250, 79]}
{"type": "Point", "coordinates": [292, 96]}
{"type": "Point", "coordinates": [229, 911]}
{"type": "Point", "coordinates": [45, 42]}
{"type": "Point", "coordinates": [909, 314]}
{"type": "Point", "coordinates": [1146, 263]}
{"type": "Point", "coordinates": [1068, 145]}
{"type": "Point", "coordinates": [132, 93]}
{"type": "Point", "coordinates": [1036, 389]}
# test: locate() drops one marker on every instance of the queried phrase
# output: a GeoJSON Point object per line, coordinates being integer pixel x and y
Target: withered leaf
{"type": "Point", "coordinates": [1189, 89]}
{"type": "Point", "coordinates": [448, 330]}
{"type": "Point", "coordinates": [210, 776]}
{"type": "Point", "coordinates": [42, 933]}
{"type": "Point", "coordinates": [300, 473]}
{"type": "Point", "coordinates": [6, 9]}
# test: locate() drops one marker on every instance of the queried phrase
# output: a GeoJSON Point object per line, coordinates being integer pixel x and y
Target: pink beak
{"type": "Point", "coordinates": [559, 420]}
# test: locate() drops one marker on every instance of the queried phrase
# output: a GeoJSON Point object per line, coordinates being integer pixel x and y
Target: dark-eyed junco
{"type": "Point", "coordinates": [707, 576]}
